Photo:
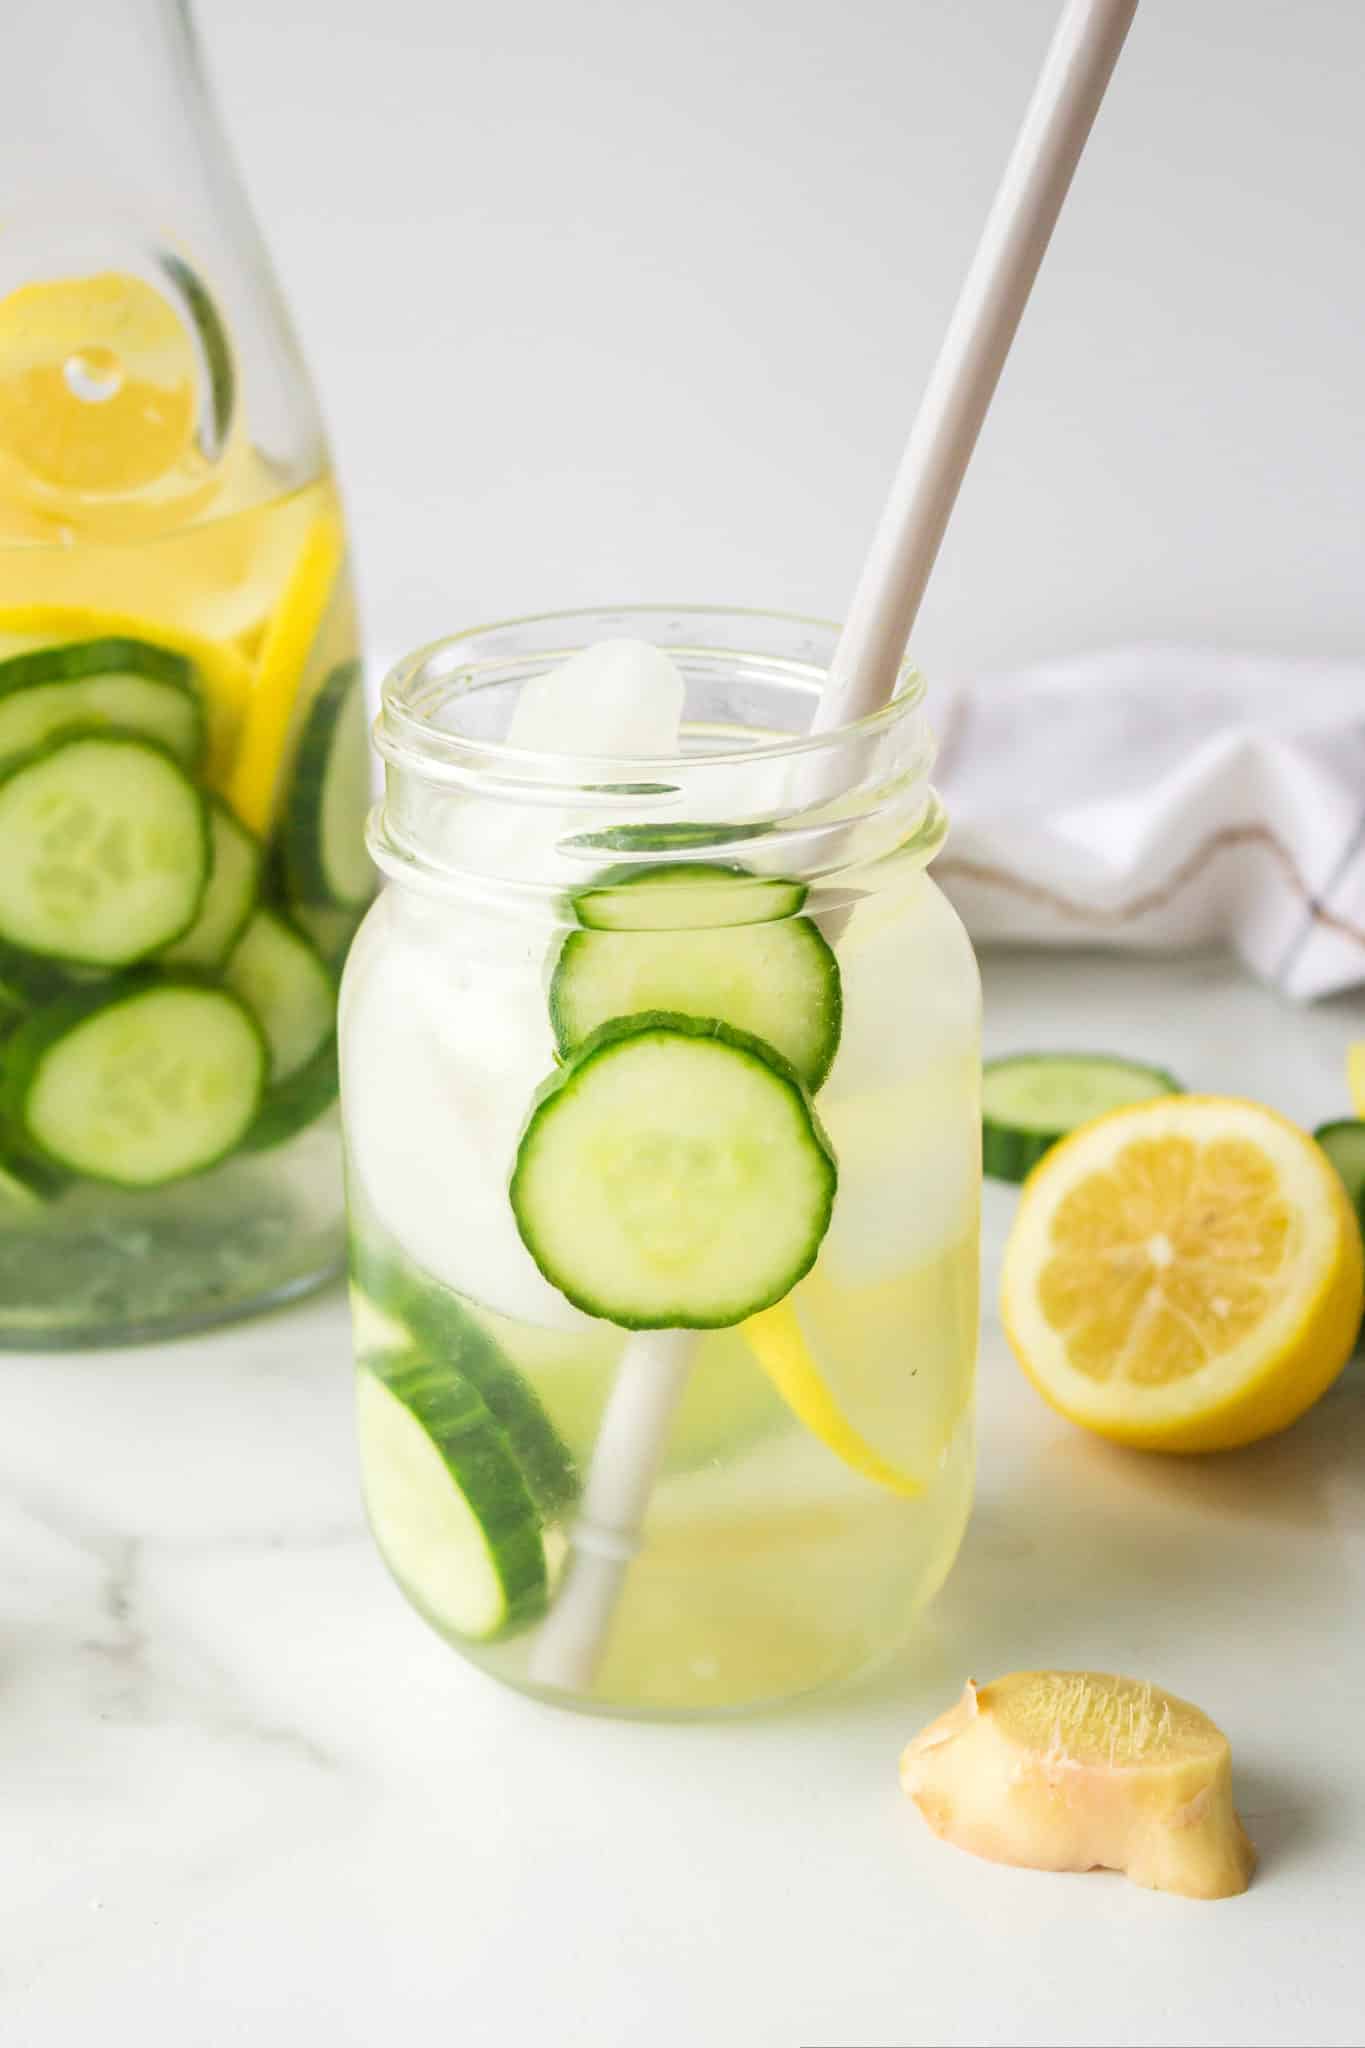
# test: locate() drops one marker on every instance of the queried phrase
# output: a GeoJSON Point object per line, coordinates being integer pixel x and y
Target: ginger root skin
{"type": "Point", "coordinates": [1080, 1770]}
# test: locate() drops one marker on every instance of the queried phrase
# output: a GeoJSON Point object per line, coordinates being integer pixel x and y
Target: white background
{"type": "Point", "coordinates": [618, 298]}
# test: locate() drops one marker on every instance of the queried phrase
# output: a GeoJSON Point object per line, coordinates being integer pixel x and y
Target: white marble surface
{"type": "Point", "coordinates": [247, 1798]}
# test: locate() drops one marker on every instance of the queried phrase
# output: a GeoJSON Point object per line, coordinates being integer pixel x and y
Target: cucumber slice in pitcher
{"type": "Point", "coordinates": [449, 1507]}
{"type": "Point", "coordinates": [158, 1079]}
{"type": "Point", "coordinates": [777, 980]}
{"type": "Point", "coordinates": [229, 895]}
{"type": "Point", "coordinates": [323, 834]}
{"type": "Point", "coordinates": [98, 684]}
{"type": "Point", "coordinates": [286, 984]}
{"type": "Point", "coordinates": [1030, 1100]}
{"type": "Point", "coordinates": [104, 850]}
{"type": "Point", "coordinates": [297, 1101]}
{"type": "Point", "coordinates": [673, 1175]}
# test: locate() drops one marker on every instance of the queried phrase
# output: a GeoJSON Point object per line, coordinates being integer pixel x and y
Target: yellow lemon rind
{"type": "Point", "coordinates": [1261, 1385]}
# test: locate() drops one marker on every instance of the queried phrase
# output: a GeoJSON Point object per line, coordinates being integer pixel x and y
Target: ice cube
{"type": "Point", "coordinates": [440, 1063]}
{"type": "Point", "coordinates": [618, 697]}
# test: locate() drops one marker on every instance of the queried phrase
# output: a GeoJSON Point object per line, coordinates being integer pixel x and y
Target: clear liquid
{"type": "Point", "coordinates": [768, 1565]}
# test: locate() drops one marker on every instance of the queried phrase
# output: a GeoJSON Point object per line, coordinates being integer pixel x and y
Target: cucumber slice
{"type": "Point", "coordinates": [440, 1325]}
{"type": "Point", "coordinates": [330, 929]}
{"type": "Point", "coordinates": [28, 1184]}
{"type": "Point", "coordinates": [104, 850]}
{"type": "Point", "coordinates": [291, 1105]}
{"type": "Point", "coordinates": [778, 981]}
{"type": "Point", "coordinates": [683, 894]}
{"type": "Point", "coordinates": [1030, 1100]}
{"type": "Point", "coordinates": [324, 826]}
{"type": "Point", "coordinates": [286, 984]}
{"type": "Point", "coordinates": [229, 897]}
{"type": "Point", "coordinates": [449, 1508]}
{"type": "Point", "coordinates": [1344, 1144]}
{"type": "Point", "coordinates": [94, 684]}
{"type": "Point", "coordinates": [157, 1080]}
{"type": "Point", "coordinates": [673, 1175]}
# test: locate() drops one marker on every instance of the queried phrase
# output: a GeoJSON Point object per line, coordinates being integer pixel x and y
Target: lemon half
{"type": "Point", "coordinates": [1184, 1275]}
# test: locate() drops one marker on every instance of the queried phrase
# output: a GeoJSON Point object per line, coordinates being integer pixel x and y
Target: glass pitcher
{"type": "Point", "coordinates": [183, 763]}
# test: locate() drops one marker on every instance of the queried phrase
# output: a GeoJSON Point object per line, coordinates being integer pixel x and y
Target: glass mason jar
{"type": "Point", "coordinates": [183, 761]}
{"type": "Point", "coordinates": [625, 1024]}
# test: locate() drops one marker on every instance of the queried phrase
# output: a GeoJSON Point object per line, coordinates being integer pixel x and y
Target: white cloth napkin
{"type": "Point", "coordinates": [1163, 797]}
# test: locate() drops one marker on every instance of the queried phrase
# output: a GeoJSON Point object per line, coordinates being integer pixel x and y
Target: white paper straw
{"type": "Point", "coordinates": [653, 1370]}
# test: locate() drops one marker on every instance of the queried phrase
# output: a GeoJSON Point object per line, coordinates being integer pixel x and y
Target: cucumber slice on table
{"type": "Point", "coordinates": [777, 980]}
{"type": "Point", "coordinates": [229, 897]}
{"type": "Point", "coordinates": [1344, 1144]}
{"type": "Point", "coordinates": [389, 1291]}
{"type": "Point", "coordinates": [1030, 1100]}
{"type": "Point", "coordinates": [95, 684]}
{"type": "Point", "coordinates": [104, 850]}
{"type": "Point", "coordinates": [449, 1507]}
{"type": "Point", "coordinates": [156, 1080]}
{"type": "Point", "coordinates": [323, 834]}
{"type": "Point", "coordinates": [673, 1174]}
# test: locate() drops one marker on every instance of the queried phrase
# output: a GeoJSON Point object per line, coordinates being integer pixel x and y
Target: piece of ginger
{"type": "Point", "coordinates": [1073, 1770]}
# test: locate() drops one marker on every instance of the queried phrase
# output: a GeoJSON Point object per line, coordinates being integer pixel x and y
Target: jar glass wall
{"type": "Point", "coordinates": [544, 915]}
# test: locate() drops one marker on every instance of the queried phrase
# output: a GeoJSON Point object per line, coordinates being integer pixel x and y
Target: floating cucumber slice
{"type": "Point", "coordinates": [1344, 1144]}
{"type": "Point", "coordinates": [324, 829]}
{"type": "Point", "coordinates": [1030, 1100]}
{"type": "Point", "coordinates": [286, 984]}
{"type": "Point", "coordinates": [449, 1507]}
{"type": "Point", "coordinates": [683, 894]}
{"type": "Point", "coordinates": [95, 684]}
{"type": "Point", "coordinates": [158, 1079]}
{"type": "Point", "coordinates": [673, 1175]}
{"type": "Point", "coordinates": [440, 1325]}
{"type": "Point", "coordinates": [104, 850]}
{"type": "Point", "coordinates": [778, 980]}
{"type": "Point", "coordinates": [230, 894]}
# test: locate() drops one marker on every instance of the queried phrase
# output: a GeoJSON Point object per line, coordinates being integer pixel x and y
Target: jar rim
{"type": "Point", "coordinates": [406, 728]}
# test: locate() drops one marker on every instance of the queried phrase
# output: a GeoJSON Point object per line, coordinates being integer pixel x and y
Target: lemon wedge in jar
{"type": "Point", "coordinates": [1184, 1275]}
{"type": "Point", "coordinates": [774, 1336]}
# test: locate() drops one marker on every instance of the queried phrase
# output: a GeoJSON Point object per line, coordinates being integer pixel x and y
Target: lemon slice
{"type": "Point", "coordinates": [1355, 1075]}
{"type": "Point", "coordinates": [1185, 1275]}
{"type": "Point", "coordinates": [98, 384]}
{"type": "Point", "coordinates": [774, 1336]}
{"type": "Point", "coordinates": [280, 671]}
{"type": "Point", "coordinates": [225, 674]}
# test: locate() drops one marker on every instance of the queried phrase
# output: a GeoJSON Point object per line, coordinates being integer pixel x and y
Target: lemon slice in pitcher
{"type": "Point", "coordinates": [98, 384]}
{"type": "Point", "coordinates": [1184, 1275]}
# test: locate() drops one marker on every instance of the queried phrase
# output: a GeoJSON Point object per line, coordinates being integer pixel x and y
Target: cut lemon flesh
{"type": "Point", "coordinates": [774, 1336]}
{"type": "Point", "coordinates": [97, 384]}
{"type": "Point", "coordinates": [1355, 1076]}
{"type": "Point", "coordinates": [1184, 1275]}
